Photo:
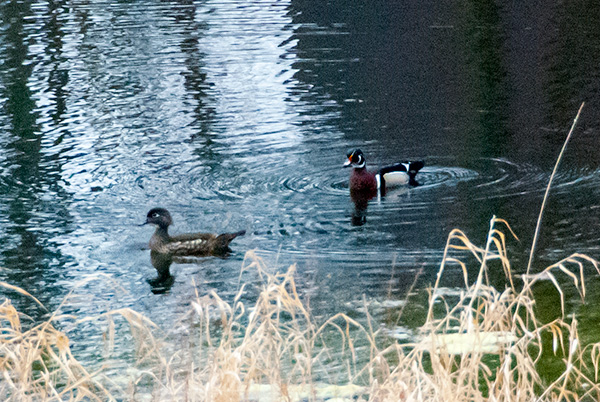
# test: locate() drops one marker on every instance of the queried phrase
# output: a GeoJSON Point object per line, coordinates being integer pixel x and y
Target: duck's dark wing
{"type": "Point", "coordinates": [408, 168]}
{"type": "Point", "coordinates": [412, 167]}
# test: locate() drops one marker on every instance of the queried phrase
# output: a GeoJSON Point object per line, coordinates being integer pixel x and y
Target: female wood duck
{"type": "Point", "coordinates": [363, 181]}
{"type": "Point", "coordinates": [197, 244]}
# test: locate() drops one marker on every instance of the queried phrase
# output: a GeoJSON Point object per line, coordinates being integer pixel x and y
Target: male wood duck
{"type": "Point", "coordinates": [197, 244]}
{"type": "Point", "coordinates": [363, 181]}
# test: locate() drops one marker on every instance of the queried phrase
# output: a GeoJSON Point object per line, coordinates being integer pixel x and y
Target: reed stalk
{"type": "Point", "coordinates": [547, 193]}
{"type": "Point", "coordinates": [482, 344]}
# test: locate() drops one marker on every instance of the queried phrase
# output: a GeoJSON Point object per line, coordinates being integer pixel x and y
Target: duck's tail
{"type": "Point", "coordinates": [224, 239]}
{"type": "Point", "coordinates": [413, 169]}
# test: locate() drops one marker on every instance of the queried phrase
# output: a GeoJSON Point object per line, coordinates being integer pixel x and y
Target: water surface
{"type": "Point", "coordinates": [238, 115]}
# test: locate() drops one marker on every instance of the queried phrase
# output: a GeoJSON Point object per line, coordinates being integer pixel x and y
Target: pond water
{"type": "Point", "coordinates": [238, 115]}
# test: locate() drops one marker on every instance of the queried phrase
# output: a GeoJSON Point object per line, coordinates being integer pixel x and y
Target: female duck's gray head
{"type": "Point", "coordinates": [160, 217]}
{"type": "Point", "coordinates": [356, 159]}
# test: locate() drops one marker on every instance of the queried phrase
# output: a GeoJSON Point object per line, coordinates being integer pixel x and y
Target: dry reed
{"type": "Point", "coordinates": [482, 345]}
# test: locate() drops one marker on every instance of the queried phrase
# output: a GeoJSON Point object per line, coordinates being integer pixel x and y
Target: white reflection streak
{"type": "Point", "coordinates": [244, 61]}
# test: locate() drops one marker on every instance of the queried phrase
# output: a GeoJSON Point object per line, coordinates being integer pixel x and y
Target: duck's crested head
{"type": "Point", "coordinates": [160, 217]}
{"type": "Point", "coordinates": [356, 159]}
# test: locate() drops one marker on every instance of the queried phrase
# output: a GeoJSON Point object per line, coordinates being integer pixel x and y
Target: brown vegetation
{"type": "Point", "coordinates": [483, 345]}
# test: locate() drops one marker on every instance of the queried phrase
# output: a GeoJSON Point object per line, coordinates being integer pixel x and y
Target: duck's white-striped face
{"type": "Point", "coordinates": [356, 159]}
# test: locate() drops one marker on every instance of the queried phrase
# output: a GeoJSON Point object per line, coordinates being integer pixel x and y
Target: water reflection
{"type": "Point", "coordinates": [162, 262]}
{"type": "Point", "coordinates": [31, 192]}
{"type": "Point", "coordinates": [360, 199]}
{"type": "Point", "coordinates": [484, 76]}
{"type": "Point", "coordinates": [198, 87]}
{"type": "Point", "coordinates": [164, 280]}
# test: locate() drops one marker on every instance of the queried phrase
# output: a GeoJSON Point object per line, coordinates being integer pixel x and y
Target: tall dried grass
{"type": "Point", "coordinates": [482, 345]}
{"type": "Point", "coordinates": [36, 364]}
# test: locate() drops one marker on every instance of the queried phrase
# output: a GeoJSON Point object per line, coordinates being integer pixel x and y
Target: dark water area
{"type": "Point", "coordinates": [238, 115]}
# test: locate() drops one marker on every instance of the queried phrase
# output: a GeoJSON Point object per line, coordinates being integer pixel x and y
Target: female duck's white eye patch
{"type": "Point", "coordinates": [155, 215]}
